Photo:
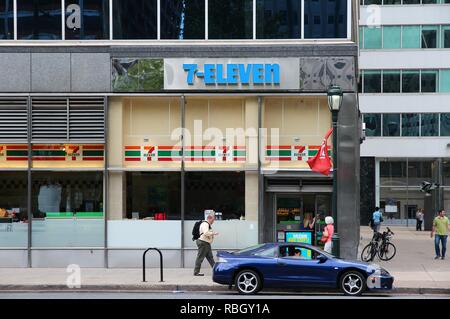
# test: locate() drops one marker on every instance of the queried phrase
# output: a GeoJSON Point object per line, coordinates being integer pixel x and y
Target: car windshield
{"type": "Point", "coordinates": [252, 249]}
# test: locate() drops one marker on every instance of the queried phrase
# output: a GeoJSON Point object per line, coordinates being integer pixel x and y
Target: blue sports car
{"type": "Point", "coordinates": [293, 266]}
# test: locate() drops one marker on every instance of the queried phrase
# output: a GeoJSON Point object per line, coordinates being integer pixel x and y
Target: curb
{"type": "Point", "coordinates": [192, 288]}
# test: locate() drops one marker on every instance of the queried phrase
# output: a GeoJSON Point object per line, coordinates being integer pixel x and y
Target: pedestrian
{"type": "Point", "coordinates": [377, 219]}
{"type": "Point", "coordinates": [419, 219]}
{"type": "Point", "coordinates": [441, 227]}
{"type": "Point", "coordinates": [204, 244]}
{"type": "Point", "coordinates": [327, 234]}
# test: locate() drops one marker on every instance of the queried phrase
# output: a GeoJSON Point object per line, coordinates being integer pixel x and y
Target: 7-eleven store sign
{"type": "Point", "coordinates": [290, 153]}
{"type": "Point", "coordinates": [214, 154]}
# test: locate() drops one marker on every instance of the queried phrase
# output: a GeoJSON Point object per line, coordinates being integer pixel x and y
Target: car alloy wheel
{"type": "Point", "coordinates": [247, 282]}
{"type": "Point", "coordinates": [352, 283]}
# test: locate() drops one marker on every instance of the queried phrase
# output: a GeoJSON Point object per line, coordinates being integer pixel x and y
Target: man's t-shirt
{"type": "Point", "coordinates": [376, 217]}
{"type": "Point", "coordinates": [441, 225]}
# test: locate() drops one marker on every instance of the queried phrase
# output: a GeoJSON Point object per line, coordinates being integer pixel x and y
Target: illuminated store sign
{"type": "Point", "coordinates": [234, 73]}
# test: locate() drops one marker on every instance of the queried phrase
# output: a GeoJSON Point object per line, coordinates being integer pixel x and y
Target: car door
{"type": "Point", "coordinates": [306, 270]}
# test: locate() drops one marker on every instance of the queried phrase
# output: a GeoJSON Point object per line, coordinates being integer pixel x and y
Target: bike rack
{"type": "Point", "coordinates": [160, 263]}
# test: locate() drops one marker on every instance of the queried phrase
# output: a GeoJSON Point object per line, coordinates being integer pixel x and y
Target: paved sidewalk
{"type": "Point", "coordinates": [414, 269]}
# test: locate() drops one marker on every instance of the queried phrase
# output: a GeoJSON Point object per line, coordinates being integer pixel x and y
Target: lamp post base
{"type": "Point", "coordinates": [335, 248]}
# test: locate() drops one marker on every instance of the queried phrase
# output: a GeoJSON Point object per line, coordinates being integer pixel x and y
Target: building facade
{"type": "Point", "coordinates": [405, 90]}
{"type": "Point", "coordinates": [122, 123]}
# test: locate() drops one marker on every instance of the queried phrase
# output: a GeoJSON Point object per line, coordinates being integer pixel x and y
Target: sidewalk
{"type": "Point", "coordinates": [413, 267]}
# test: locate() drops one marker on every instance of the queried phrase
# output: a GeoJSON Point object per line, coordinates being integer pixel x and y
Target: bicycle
{"type": "Point", "coordinates": [381, 245]}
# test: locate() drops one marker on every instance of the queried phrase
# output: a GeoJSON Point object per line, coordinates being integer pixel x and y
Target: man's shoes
{"type": "Point", "coordinates": [198, 274]}
{"type": "Point", "coordinates": [442, 257]}
{"type": "Point", "coordinates": [437, 257]}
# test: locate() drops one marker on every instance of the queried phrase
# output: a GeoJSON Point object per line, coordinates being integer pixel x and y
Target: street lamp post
{"type": "Point", "coordinates": [335, 97]}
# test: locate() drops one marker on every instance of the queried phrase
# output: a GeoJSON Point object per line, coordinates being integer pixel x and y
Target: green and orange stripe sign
{"type": "Point", "coordinates": [291, 152]}
{"type": "Point", "coordinates": [14, 152]}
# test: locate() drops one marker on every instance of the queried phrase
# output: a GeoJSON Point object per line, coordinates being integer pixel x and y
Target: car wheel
{"type": "Point", "coordinates": [352, 283]}
{"type": "Point", "coordinates": [248, 282]}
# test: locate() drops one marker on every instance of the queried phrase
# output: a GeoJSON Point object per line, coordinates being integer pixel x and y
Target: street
{"type": "Point", "coordinates": [203, 295]}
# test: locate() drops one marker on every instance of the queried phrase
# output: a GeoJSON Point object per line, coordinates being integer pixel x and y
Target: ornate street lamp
{"type": "Point", "coordinates": [335, 97]}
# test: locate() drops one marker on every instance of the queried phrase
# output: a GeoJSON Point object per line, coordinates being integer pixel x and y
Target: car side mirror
{"type": "Point", "coordinates": [322, 259]}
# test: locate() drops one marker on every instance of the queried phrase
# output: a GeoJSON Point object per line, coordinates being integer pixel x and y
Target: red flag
{"type": "Point", "coordinates": [321, 162]}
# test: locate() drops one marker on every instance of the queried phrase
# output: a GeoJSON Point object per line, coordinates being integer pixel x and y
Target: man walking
{"type": "Point", "coordinates": [204, 244]}
{"type": "Point", "coordinates": [377, 218]}
{"type": "Point", "coordinates": [441, 228]}
{"type": "Point", "coordinates": [419, 219]}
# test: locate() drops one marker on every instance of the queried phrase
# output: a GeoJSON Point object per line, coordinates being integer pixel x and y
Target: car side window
{"type": "Point", "coordinates": [297, 252]}
{"type": "Point", "coordinates": [269, 252]}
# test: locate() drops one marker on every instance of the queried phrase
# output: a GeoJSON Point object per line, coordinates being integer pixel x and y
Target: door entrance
{"type": "Point", "coordinates": [300, 217]}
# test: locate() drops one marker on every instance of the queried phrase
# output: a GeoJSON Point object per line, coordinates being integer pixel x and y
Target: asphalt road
{"type": "Point", "coordinates": [200, 295]}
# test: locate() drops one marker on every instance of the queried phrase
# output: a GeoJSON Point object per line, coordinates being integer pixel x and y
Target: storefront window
{"type": "Point", "coordinates": [446, 173]}
{"type": "Point", "coordinates": [372, 38]}
{"type": "Point", "coordinates": [410, 124]}
{"type": "Point", "coordinates": [277, 19]}
{"type": "Point", "coordinates": [430, 37]}
{"type": "Point", "coordinates": [221, 192]}
{"type": "Point", "coordinates": [39, 20]}
{"type": "Point", "coordinates": [392, 37]}
{"type": "Point", "coordinates": [135, 19]}
{"type": "Point", "coordinates": [6, 20]}
{"type": "Point", "coordinates": [393, 173]}
{"type": "Point", "coordinates": [372, 81]}
{"type": "Point", "coordinates": [445, 124]}
{"type": "Point", "coordinates": [430, 124]}
{"type": "Point", "coordinates": [93, 20]}
{"type": "Point", "coordinates": [391, 81]}
{"type": "Point", "coordinates": [237, 23]}
{"type": "Point", "coordinates": [411, 81]}
{"type": "Point", "coordinates": [391, 124]}
{"type": "Point", "coordinates": [419, 171]}
{"type": "Point", "coordinates": [13, 209]}
{"type": "Point", "coordinates": [411, 37]}
{"type": "Point", "coordinates": [153, 195]}
{"type": "Point", "coordinates": [429, 80]}
{"type": "Point", "coordinates": [325, 19]}
{"type": "Point", "coordinates": [182, 19]}
{"type": "Point", "coordinates": [67, 209]}
{"type": "Point", "coordinates": [373, 124]}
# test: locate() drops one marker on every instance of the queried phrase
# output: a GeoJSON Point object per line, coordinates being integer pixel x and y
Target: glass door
{"type": "Point", "coordinates": [287, 214]}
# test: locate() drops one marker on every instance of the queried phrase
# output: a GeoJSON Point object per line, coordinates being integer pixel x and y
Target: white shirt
{"type": "Point", "coordinates": [206, 234]}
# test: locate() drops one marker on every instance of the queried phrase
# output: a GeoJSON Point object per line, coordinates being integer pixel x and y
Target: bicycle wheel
{"type": "Point", "coordinates": [368, 253]}
{"type": "Point", "coordinates": [387, 251]}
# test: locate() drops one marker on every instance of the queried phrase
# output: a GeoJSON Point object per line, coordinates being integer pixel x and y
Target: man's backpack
{"type": "Point", "coordinates": [196, 229]}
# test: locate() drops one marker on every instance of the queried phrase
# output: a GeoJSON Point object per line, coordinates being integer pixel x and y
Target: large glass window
{"type": "Point", "coordinates": [67, 209]}
{"type": "Point", "coordinates": [182, 19]}
{"type": "Point", "coordinates": [278, 19]}
{"type": "Point", "coordinates": [372, 38]}
{"type": "Point", "coordinates": [393, 173]}
{"type": "Point", "coordinates": [411, 37]}
{"type": "Point", "coordinates": [391, 124]}
{"type": "Point", "coordinates": [13, 209]}
{"type": "Point", "coordinates": [6, 19]}
{"type": "Point", "coordinates": [153, 195]}
{"type": "Point", "coordinates": [430, 37]}
{"type": "Point", "coordinates": [444, 81]}
{"type": "Point", "coordinates": [445, 41]}
{"type": "Point", "coordinates": [430, 124]}
{"type": "Point", "coordinates": [392, 37]}
{"type": "Point", "coordinates": [410, 81]}
{"type": "Point", "coordinates": [222, 192]}
{"type": "Point", "coordinates": [391, 81]}
{"type": "Point", "coordinates": [429, 80]}
{"type": "Point", "coordinates": [410, 124]}
{"type": "Point", "coordinates": [445, 124]}
{"type": "Point", "coordinates": [87, 19]}
{"type": "Point", "coordinates": [39, 20]}
{"type": "Point", "coordinates": [372, 81]}
{"type": "Point", "coordinates": [325, 19]}
{"type": "Point", "coordinates": [232, 19]}
{"type": "Point", "coordinates": [135, 19]}
{"type": "Point", "coordinates": [373, 124]}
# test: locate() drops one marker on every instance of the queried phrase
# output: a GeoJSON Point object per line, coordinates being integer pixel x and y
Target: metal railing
{"type": "Point", "coordinates": [160, 264]}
